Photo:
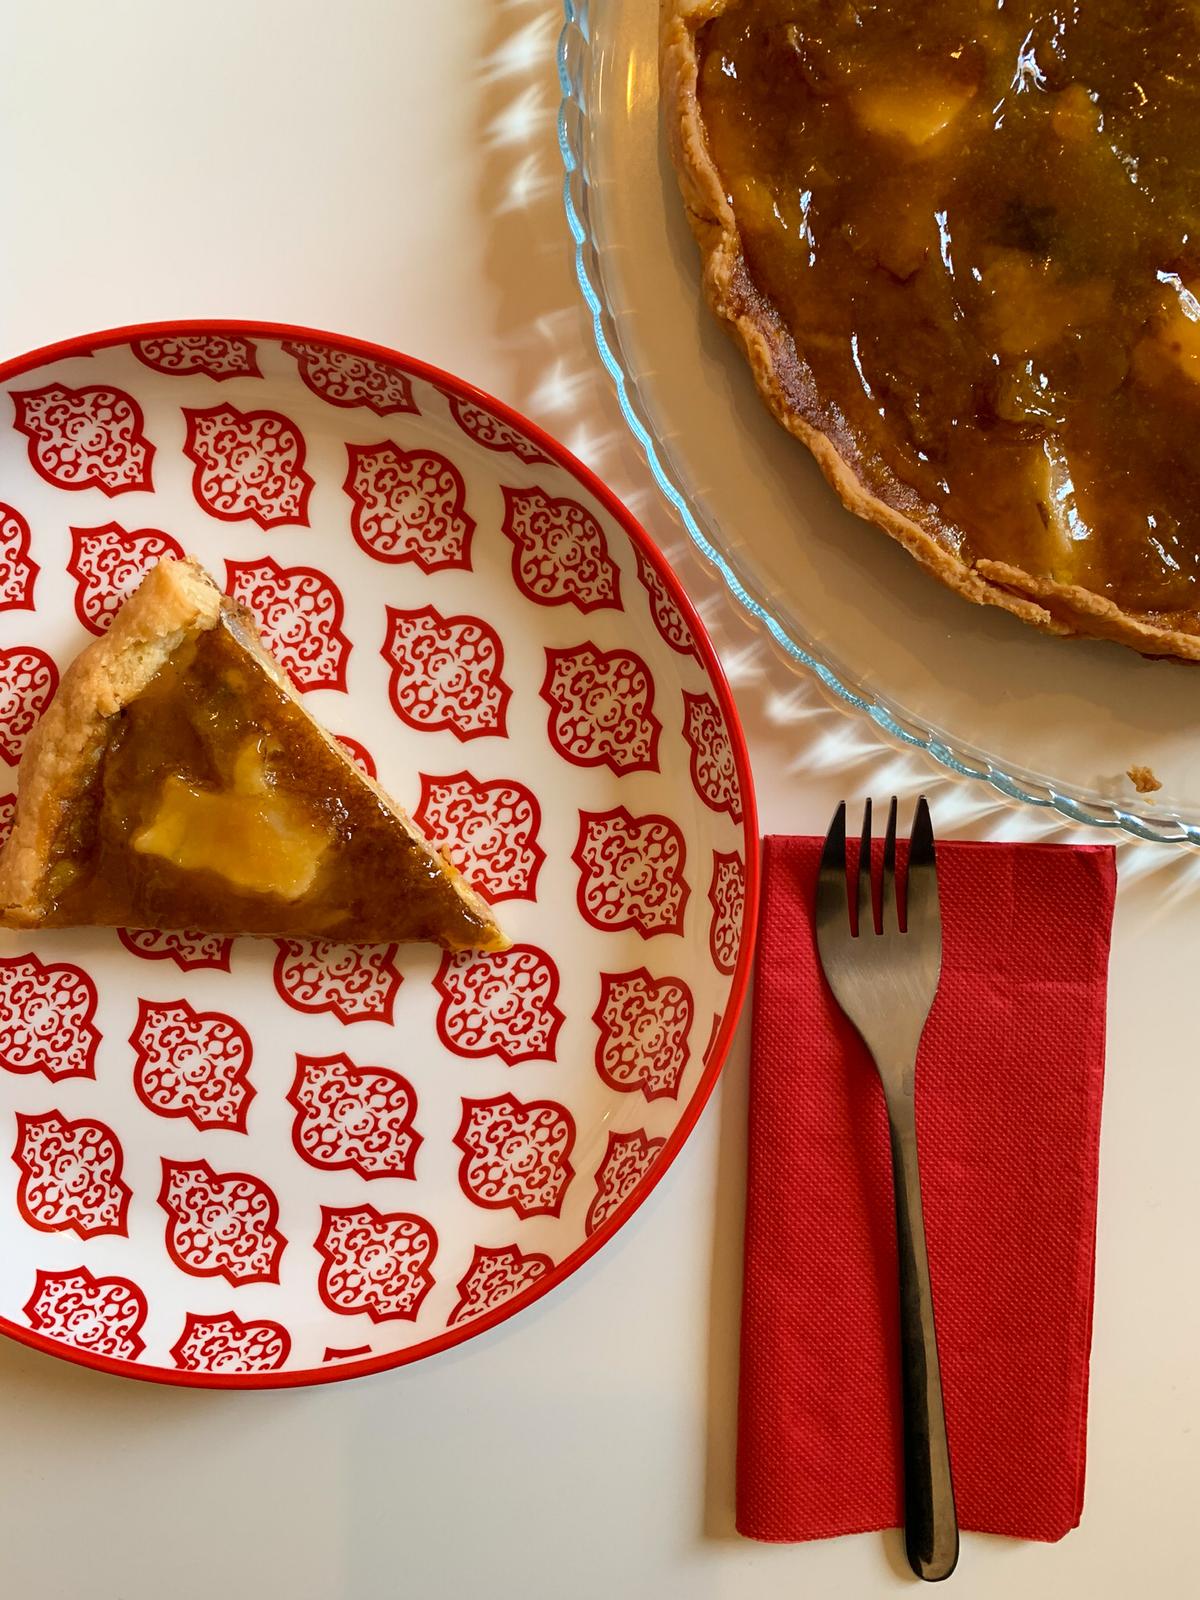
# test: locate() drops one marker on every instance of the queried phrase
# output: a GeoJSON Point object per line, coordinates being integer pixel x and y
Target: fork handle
{"type": "Point", "coordinates": [930, 1519]}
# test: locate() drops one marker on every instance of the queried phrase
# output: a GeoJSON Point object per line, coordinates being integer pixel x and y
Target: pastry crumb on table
{"type": "Point", "coordinates": [1143, 779]}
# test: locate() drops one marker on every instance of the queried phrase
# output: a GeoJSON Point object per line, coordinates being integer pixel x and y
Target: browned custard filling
{"type": "Point", "coordinates": [215, 803]}
{"type": "Point", "coordinates": [979, 220]}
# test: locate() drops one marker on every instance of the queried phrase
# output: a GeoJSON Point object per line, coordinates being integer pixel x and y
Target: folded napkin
{"type": "Point", "coordinates": [1009, 1084]}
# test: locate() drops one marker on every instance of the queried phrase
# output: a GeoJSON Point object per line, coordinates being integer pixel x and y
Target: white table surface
{"type": "Point", "coordinates": [388, 168]}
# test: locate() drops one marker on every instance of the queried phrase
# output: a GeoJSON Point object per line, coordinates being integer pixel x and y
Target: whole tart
{"type": "Point", "coordinates": [960, 248]}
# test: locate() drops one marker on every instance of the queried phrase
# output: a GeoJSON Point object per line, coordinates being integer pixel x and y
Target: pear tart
{"type": "Point", "coordinates": [958, 244]}
{"type": "Point", "coordinates": [178, 781]}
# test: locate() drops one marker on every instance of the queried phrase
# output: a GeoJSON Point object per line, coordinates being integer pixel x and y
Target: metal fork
{"type": "Point", "coordinates": [884, 975]}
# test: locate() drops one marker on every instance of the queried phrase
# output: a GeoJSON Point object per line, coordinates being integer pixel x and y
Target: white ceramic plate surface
{"type": "Point", "coordinates": [243, 1163]}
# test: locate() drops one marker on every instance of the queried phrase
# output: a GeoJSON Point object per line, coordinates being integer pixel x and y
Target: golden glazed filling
{"type": "Point", "coordinates": [215, 804]}
{"type": "Point", "coordinates": [979, 220]}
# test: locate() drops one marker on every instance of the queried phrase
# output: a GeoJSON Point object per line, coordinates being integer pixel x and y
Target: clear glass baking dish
{"type": "Point", "coordinates": [1056, 723]}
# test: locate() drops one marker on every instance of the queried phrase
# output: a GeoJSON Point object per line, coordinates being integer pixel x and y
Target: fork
{"type": "Point", "coordinates": [883, 971]}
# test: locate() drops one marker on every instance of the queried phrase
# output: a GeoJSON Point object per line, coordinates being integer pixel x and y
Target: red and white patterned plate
{"type": "Point", "coordinates": [241, 1162]}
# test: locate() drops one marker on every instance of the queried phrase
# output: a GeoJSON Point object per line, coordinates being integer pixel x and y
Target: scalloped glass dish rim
{"type": "Point", "coordinates": [963, 759]}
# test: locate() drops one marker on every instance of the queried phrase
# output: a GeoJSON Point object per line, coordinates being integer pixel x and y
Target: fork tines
{"type": "Point", "coordinates": [876, 905]}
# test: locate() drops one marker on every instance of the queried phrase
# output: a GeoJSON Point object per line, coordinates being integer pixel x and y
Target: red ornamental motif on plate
{"type": "Point", "coordinates": [46, 1016]}
{"type": "Point", "coordinates": [101, 1316]}
{"type": "Point", "coordinates": [446, 673]}
{"type": "Point", "coordinates": [727, 896]}
{"type": "Point", "coordinates": [409, 505]}
{"type": "Point", "coordinates": [249, 465]}
{"type": "Point", "coordinates": [375, 1263]}
{"type": "Point", "coordinates": [631, 872]}
{"type": "Point", "coordinates": [357, 983]}
{"type": "Point", "coordinates": [225, 1344]}
{"type": "Point", "coordinates": [664, 609]}
{"type": "Point", "coordinates": [601, 708]}
{"type": "Point", "coordinates": [8, 811]}
{"type": "Point", "coordinates": [221, 1224]}
{"type": "Point", "coordinates": [627, 1160]}
{"type": "Point", "coordinates": [345, 378]}
{"type": "Point", "coordinates": [560, 554]}
{"type": "Point", "coordinates": [107, 564]}
{"type": "Point", "coordinates": [499, 1003]}
{"type": "Point", "coordinates": [215, 355]}
{"type": "Point", "coordinates": [516, 1154]}
{"type": "Point", "coordinates": [489, 829]}
{"type": "Point", "coordinates": [495, 1277]}
{"type": "Point", "coordinates": [714, 1033]}
{"type": "Point", "coordinates": [28, 680]}
{"type": "Point", "coordinates": [488, 431]}
{"type": "Point", "coordinates": [17, 571]}
{"type": "Point", "coordinates": [190, 951]}
{"type": "Point", "coordinates": [359, 754]}
{"type": "Point", "coordinates": [644, 1025]}
{"type": "Point", "coordinates": [300, 611]}
{"type": "Point", "coordinates": [192, 1064]}
{"type": "Point", "coordinates": [70, 1175]}
{"type": "Point", "coordinates": [714, 771]}
{"type": "Point", "coordinates": [89, 438]}
{"type": "Point", "coordinates": [352, 1116]}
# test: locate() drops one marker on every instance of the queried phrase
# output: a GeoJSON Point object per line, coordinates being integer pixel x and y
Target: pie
{"type": "Point", "coordinates": [177, 781]}
{"type": "Point", "coordinates": [960, 247]}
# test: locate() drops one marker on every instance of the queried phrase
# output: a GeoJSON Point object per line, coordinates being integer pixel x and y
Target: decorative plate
{"type": "Point", "coordinates": [1052, 722]}
{"type": "Point", "coordinates": [249, 1163]}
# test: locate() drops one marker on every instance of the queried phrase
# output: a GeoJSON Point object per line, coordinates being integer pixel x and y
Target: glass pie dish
{"type": "Point", "coordinates": [1052, 722]}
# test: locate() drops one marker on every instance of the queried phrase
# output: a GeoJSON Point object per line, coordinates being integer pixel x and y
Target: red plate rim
{"type": "Point", "coordinates": [86, 344]}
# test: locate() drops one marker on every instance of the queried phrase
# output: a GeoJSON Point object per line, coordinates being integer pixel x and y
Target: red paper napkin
{"type": "Point", "coordinates": [1009, 1084]}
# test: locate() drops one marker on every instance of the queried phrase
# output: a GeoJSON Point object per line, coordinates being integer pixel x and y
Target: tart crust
{"type": "Point", "coordinates": [174, 601]}
{"type": "Point", "coordinates": [177, 600]}
{"type": "Point", "coordinates": [788, 387]}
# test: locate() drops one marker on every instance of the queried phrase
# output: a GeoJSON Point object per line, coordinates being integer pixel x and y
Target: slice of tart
{"type": "Point", "coordinates": [178, 781]}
